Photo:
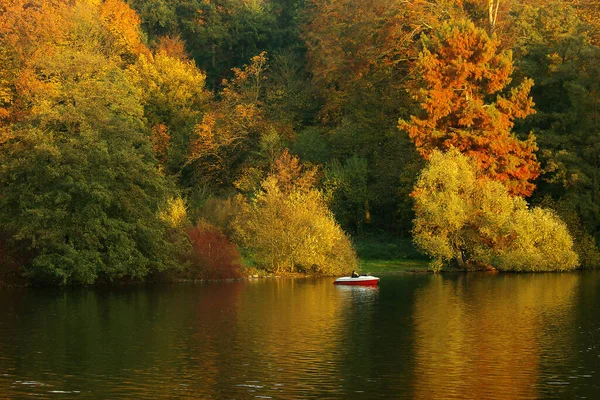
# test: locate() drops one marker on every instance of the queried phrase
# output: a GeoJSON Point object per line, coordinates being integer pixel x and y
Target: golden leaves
{"type": "Point", "coordinates": [124, 25]}
{"type": "Point", "coordinates": [463, 215]}
{"type": "Point", "coordinates": [288, 226]}
{"type": "Point", "coordinates": [175, 213]}
{"type": "Point", "coordinates": [223, 135]}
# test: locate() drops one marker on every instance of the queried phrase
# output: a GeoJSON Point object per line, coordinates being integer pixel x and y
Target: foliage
{"type": "Point", "coordinates": [121, 29]}
{"type": "Point", "coordinates": [175, 213]}
{"type": "Point", "coordinates": [119, 127]}
{"type": "Point", "coordinates": [213, 255]}
{"type": "Point", "coordinates": [223, 34]}
{"type": "Point", "coordinates": [226, 133]}
{"type": "Point", "coordinates": [12, 261]}
{"type": "Point", "coordinates": [174, 91]}
{"type": "Point", "coordinates": [174, 100]}
{"type": "Point", "coordinates": [311, 146]}
{"type": "Point", "coordinates": [361, 49]}
{"type": "Point", "coordinates": [457, 73]}
{"type": "Point", "coordinates": [583, 242]}
{"type": "Point", "coordinates": [80, 188]}
{"type": "Point", "coordinates": [158, 17]}
{"type": "Point", "coordinates": [556, 51]}
{"type": "Point", "coordinates": [287, 226]}
{"type": "Point", "coordinates": [358, 55]}
{"type": "Point", "coordinates": [291, 98]}
{"type": "Point", "coordinates": [463, 217]}
{"type": "Point", "coordinates": [219, 212]}
{"type": "Point", "coordinates": [347, 185]}
{"type": "Point", "coordinates": [84, 206]}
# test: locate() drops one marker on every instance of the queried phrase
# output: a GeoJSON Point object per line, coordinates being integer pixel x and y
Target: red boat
{"type": "Point", "coordinates": [364, 280]}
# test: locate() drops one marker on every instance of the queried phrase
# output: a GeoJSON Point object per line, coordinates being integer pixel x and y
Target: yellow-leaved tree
{"type": "Point", "coordinates": [464, 218]}
{"type": "Point", "coordinates": [288, 227]}
{"type": "Point", "coordinates": [174, 101]}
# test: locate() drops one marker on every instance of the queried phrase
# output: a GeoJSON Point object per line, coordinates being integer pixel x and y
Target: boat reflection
{"type": "Point", "coordinates": [357, 289]}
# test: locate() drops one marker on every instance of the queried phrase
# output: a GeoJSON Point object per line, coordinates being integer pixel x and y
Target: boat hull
{"type": "Point", "coordinates": [360, 281]}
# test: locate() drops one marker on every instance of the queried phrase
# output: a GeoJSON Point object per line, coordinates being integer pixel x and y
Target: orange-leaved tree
{"type": "Point", "coordinates": [122, 26]}
{"type": "Point", "coordinates": [460, 83]}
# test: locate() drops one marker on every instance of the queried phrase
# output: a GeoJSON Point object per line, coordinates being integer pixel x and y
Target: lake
{"type": "Point", "coordinates": [424, 336]}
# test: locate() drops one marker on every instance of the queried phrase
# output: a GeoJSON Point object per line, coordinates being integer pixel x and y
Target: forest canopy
{"type": "Point", "coordinates": [135, 133]}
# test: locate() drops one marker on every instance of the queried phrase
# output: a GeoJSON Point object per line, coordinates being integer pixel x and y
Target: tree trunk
{"type": "Point", "coordinates": [492, 15]}
{"type": "Point", "coordinates": [460, 259]}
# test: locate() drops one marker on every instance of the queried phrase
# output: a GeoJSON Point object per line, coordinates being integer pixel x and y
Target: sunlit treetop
{"type": "Point", "coordinates": [461, 83]}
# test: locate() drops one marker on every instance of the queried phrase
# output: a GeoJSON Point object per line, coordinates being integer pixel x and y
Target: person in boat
{"type": "Point", "coordinates": [354, 274]}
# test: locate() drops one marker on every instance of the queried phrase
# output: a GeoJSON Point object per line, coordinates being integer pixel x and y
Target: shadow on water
{"type": "Point", "coordinates": [422, 336]}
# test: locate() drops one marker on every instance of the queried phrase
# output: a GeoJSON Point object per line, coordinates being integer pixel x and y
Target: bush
{"type": "Point", "coordinates": [584, 243]}
{"type": "Point", "coordinates": [213, 255]}
{"type": "Point", "coordinates": [287, 227]}
{"type": "Point", "coordinates": [464, 218]}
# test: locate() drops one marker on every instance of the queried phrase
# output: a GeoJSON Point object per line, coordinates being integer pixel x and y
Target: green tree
{"type": "Point", "coordinates": [159, 17]}
{"type": "Point", "coordinates": [84, 206]}
{"type": "Point", "coordinates": [347, 185]}
{"type": "Point", "coordinates": [556, 50]}
{"type": "Point", "coordinates": [80, 191]}
{"type": "Point", "coordinates": [225, 34]}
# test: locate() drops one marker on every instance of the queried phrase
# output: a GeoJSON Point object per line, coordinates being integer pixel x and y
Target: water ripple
{"type": "Point", "coordinates": [417, 337]}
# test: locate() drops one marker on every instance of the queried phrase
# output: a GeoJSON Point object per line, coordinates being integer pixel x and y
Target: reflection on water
{"type": "Point", "coordinates": [486, 336]}
{"type": "Point", "coordinates": [457, 336]}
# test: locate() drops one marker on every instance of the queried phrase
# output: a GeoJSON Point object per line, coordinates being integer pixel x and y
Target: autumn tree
{"type": "Point", "coordinates": [556, 48]}
{"type": "Point", "coordinates": [588, 11]}
{"type": "Point", "coordinates": [80, 191]}
{"type": "Point", "coordinates": [288, 227]}
{"type": "Point", "coordinates": [175, 99]}
{"type": "Point", "coordinates": [359, 47]}
{"type": "Point", "coordinates": [233, 125]}
{"type": "Point", "coordinates": [461, 85]}
{"type": "Point", "coordinates": [29, 33]}
{"type": "Point", "coordinates": [358, 54]}
{"type": "Point", "coordinates": [466, 219]}
{"type": "Point", "coordinates": [212, 255]}
{"type": "Point", "coordinates": [122, 29]}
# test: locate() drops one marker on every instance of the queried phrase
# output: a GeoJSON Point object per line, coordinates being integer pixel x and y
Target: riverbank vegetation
{"type": "Point", "coordinates": [146, 139]}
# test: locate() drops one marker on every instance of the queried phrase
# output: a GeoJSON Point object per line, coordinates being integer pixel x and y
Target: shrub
{"type": "Point", "coordinates": [213, 255]}
{"type": "Point", "coordinates": [584, 243]}
{"type": "Point", "coordinates": [288, 227]}
{"type": "Point", "coordinates": [464, 218]}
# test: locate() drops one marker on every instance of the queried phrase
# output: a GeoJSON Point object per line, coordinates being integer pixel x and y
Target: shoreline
{"type": "Point", "coordinates": [371, 267]}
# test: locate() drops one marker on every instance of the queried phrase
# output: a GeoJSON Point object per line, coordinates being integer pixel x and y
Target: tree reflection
{"type": "Point", "coordinates": [476, 337]}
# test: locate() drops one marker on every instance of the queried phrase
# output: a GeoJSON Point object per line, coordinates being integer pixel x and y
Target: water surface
{"type": "Point", "coordinates": [415, 337]}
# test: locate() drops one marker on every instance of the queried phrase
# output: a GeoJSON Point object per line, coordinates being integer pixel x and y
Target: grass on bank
{"type": "Point", "coordinates": [387, 254]}
{"type": "Point", "coordinates": [378, 254]}
{"type": "Point", "coordinates": [375, 267]}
